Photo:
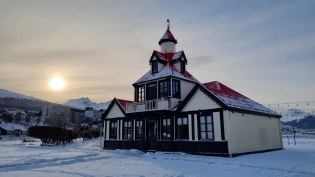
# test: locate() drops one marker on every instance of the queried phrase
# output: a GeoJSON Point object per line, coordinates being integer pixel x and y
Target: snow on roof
{"type": "Point", "coordinates": [177, 55]}
{"type": "Point", "coordinates": [234, 99]}
{"type": "Point", "coordinates": [9, 126]}
{"type": "Point", "coordinates": [168, 56]}
{"type": "Point", "coordinates": [168, 35]}
{"type": "Point", "coordinates": [167, 70]}
{"type": "Point", "coordinates": [123, 103]}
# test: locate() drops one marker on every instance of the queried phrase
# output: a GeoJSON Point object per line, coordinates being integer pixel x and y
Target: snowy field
{"type": "Point", "coordinates": [29, 159]}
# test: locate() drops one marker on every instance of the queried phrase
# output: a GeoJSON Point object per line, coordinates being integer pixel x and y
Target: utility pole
{"type": "Point", "coordinates": [85, 102]}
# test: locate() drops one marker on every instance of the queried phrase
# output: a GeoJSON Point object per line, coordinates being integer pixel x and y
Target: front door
{"type": "Point", "coordinates": [152, 138]}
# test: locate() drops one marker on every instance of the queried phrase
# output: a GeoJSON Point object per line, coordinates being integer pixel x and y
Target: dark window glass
{"type": "Point", "coordinates": [141, 93]}
{"type": "Point", "coordinates": [139, 130]}
{"type": "Point", "coordinates": [182, 66]}
{"type": "Point", "coordinates": [182, 128]}
{"type": "Point", "coordinates": [163, 89]}
{"type": "Point", "coordinates": [151, 91]}
{"type": "Point", "coordinates": [155, 66]}
{"type": "Point", "coordinates": [113, 130]}
{"type": "Point", "coordinates": [206, 131]}
{"type": "Point", "coordinates": [166, 129]}
{"type": "Point", "coordinates": [127, 130]}
{"type": "Point", "coordinates": [176, 89]}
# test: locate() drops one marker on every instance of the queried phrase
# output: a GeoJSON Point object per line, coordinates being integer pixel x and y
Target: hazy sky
{"type": "Point", "coordinates": [262, 49]}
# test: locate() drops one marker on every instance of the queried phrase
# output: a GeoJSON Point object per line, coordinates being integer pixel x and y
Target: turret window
{"type": "Point", "coordinates": [155, 66]}
{"type": "Point", "coordinates": [176, 89]}
{"type": "Point", "coordinates": [163, 89]}
{"type": "Point", "coordinates": [182, 67]}
{"type": "Point", "coordinates": [141, 93]}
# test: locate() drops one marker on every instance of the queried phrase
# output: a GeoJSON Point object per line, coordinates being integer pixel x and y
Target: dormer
{"type": "Point", "coordinates": [168, 41]}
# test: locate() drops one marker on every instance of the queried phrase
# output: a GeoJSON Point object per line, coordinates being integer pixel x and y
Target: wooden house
{"type": "Point", "coordinates": [173, 111]}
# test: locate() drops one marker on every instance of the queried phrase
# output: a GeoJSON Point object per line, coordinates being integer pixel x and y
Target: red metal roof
{"type": "Point", "coordinates": [123, 103]}
{"type": "Point", "coordinates": [167, 70]}
{"type": "Point", "coordinates": [234, 99]}
{"type": "Point", "coordinates": [168, 35]}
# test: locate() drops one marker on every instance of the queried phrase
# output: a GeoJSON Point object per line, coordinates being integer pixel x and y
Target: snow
{"type": "Point", "coordinates": [79, 103]}
{"type": "Point", "coordinates": [167, 70]}
{"type": "Point", "coordinates": [10, 126]}
{"type": "Point", "coordinates": [231, 98]}
{"type": "Point", "coordinates": [29, 159]}
{"type": "Point", "coordinates": [8, 94]}
{"type": "Point", "coordinates": [294, 114]}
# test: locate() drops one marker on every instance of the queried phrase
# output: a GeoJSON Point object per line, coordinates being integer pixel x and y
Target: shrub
{"type": "Point", "coordinates": [52, 135]}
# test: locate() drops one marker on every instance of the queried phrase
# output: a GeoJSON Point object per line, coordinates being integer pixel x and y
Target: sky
{"type": "Point", "coordinates": [262, 49]}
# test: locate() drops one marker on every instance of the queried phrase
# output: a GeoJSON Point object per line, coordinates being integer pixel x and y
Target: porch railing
{"type": "Point", "coordinates": [149, 105]}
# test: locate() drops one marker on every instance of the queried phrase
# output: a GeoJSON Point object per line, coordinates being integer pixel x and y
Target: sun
{"type": "Point", "coordinates": [57, 83]}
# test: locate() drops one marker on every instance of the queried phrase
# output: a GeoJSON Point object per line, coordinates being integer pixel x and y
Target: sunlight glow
{"type": "Point", "coordinates": [57, 83]}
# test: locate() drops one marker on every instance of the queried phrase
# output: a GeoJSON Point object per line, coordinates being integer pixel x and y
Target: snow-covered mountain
{"type": "Point", "coordinates": [294, 114]}
{"type": "Point", "coordinates": [79, 103]}
{"type": "Point", "coordinates": [9, 94]}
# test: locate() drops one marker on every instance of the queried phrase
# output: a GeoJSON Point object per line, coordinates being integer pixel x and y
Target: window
{"type": "Point", "coordinates": [113, 130]}
{"type": "Point", "coordinates": [127, 130]}
{"type": "Point", "coordinates": [141, 93]}
{"type": "Point", "coordinates": [166, 129]}
{"type": "Point", "coordinates": [176, 89]}
{"type": "Point", "coordinates": [154, 66]}
{"type": "Point", "coordinates": [151, 91]}
{"type": "Point", "coordinates": [139, 130]}
{"type": "Point", "coordinates": [182, 66]}
{"type": "Point", "coordinates": [182, 128]}
{"type": "Point", "coordinates": [206, 131]}
{"type": "Point", "coordinates": [163, 89]}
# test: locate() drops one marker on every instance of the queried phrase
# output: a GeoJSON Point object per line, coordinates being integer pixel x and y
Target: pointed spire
{"type": "Point", "coordinates": [168, 36]}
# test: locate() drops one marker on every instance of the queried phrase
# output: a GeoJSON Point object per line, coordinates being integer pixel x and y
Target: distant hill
{"type": "Point", "coordinates": [20, 101]}
{"type": "Point", "coordinates": [307, 122]}
{"type": "Point", "coordinates": [79, 103]}
{"type": "Point", "coordinates": [294, 114]}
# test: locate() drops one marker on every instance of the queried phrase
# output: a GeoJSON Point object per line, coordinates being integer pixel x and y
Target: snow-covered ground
{"type": "Point", "coordinates": [88, 160]}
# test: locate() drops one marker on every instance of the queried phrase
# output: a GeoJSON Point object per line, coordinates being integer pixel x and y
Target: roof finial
{"type": "Point", "coordinates": [168, 24]}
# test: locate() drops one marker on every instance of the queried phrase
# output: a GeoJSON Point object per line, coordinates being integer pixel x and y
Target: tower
{"type": "Point", "coordinates": [168, 41]}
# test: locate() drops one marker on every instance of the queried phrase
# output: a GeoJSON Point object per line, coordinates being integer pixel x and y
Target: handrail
{"type": "Point", "coordinates": [148, 105]}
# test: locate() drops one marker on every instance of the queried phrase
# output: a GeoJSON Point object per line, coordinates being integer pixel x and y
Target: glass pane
{"type": "Point", "coordinates": [202, 119]}
{"type": "Point", "coordinates": [203, 135]}
{"type": "Point", "coordinates": [209, 127]}
{"type": "Point", "coordinates": [209, 120]}
{"type": "Point", "coordinates": [168, 121]}
{"type": "Point", "coordinates": [129, 124]}
{"type": "Point", "coordinates": [179, 121]}
{"type": "Point", "coordinates": [164, 121]}
{"type": "Point", "coordinates": [184, 121]}
{"type": "Point", "coordinates": [202, 127]}
{"type": "Point", "coordinates": [125, 124]}
{"type": "Point", "coordinates": [210, 135]}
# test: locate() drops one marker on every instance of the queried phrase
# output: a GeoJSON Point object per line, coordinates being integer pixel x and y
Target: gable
{"type": "Point", "coordinates": [114, 112]}
{"type": "Point", "coordinates": [199, 101]}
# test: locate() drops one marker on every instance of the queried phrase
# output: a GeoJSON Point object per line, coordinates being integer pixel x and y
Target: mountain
{"type": "Point", "coordinates": [307, 122]}
{"type": "Point", "coordinates": [79, 103]}
{"type": "Point", "coordinates": [293, 114]}
{"type": "Point", "coordinates": [20, 101]}
{"type": "Point", "coordinates": [8, 94]}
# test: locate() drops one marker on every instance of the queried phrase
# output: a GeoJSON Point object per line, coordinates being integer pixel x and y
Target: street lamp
{"type": "Point", "coordinates": [100, 123]}
{"type": "Point", "coordinates": [85, 102]}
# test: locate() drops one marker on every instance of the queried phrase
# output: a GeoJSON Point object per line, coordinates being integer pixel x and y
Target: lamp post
{"type": "Point", "coordinates": [85, 102]}
{"type": "Point", "coordinates": [100, 126]}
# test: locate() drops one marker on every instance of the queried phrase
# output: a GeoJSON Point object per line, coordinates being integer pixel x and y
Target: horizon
{"type": "Point", "coordinates": [263, 50]}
